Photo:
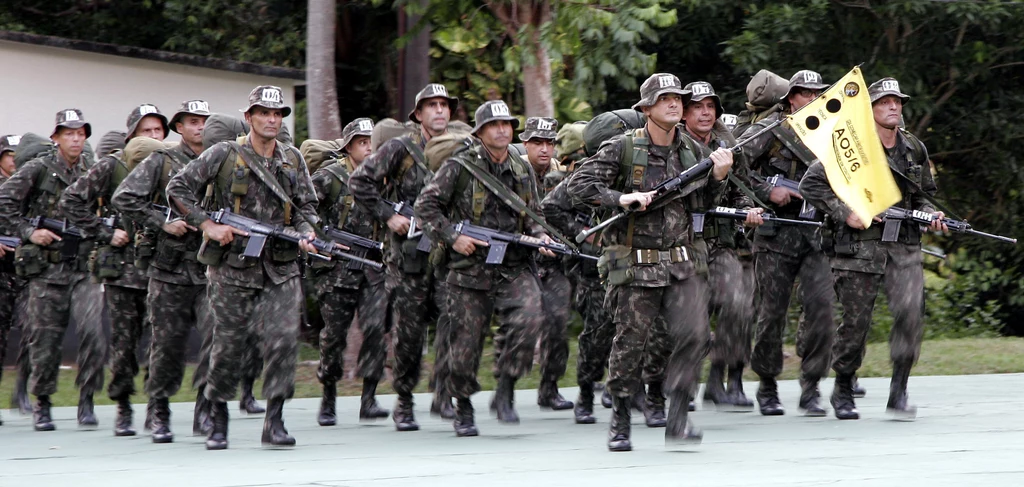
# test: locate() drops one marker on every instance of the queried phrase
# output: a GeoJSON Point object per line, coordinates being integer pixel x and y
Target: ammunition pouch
{"type": "Point", "coordinates": [320, 266]}
{"type": "Point", "coordinates": [169, 253]}
{"type": "Point", "coordinates": [768, 229]}
{"type": "Point", "coordinates": [282, 251]}
{"type": "Point", "coordinates": [106, 262]}
{"type": "Point", "coordinates": [413, 261]}
{"type": "Point", "coordinates": [31, 260]}
{"type": "Point", "coordinates": [212, 253]}
{"type": "Point", "coordinates": [845, 244]}
{"type": "Point", "coordinates": [145, 248]}
{"type": "Point", "coordinates": [616, 265]}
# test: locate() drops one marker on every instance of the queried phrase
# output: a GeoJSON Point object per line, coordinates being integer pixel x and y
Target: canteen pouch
{"type": "Point", "coordinates": [106, 262]}
{"type": "Point", "coordinates": [413, 261]}
{"type": "Point", "coordinates": [283, 251]}
{"type": "Point", "coordinates": [169, 253]}
{"type": "Point", "coordinates": [616, 265]}
{"type": "Point", "coordinates": [211, 253]}
{"type": "Point", "coordinates": [144, 250]}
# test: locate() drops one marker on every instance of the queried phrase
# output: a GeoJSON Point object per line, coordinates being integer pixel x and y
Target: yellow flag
{"type": "Point", "coordinates": [839, 128]}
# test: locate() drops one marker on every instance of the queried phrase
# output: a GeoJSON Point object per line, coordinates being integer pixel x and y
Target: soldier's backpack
{"type": "Point", "coordinates": [386, 130]}
{"type": "Point", "coordinates": [442, 147]}
{"type": "Point", "coordinates": [317, 152]}
{"type": "Point", "coordinates": [110, 142]}
{"type": "Point", "coordinates": [31, 147]}
{"type": "Point", "coordinates": [221, 127]}
{"type": "Point", "coordinates": [765, 94]}
{"type": "Point", "coordinates": [569, 145]}
{"type": "Point", "coordinates": [609, 124]}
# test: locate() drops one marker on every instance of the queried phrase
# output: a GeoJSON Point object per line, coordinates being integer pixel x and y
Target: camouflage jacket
{"type": "Point", "coordinates": [259, 203]}
{"type": "Point", "coordinates": [81, 204]}
{"type": "Point", "coordinates": [440, 206]}
{"type": "Point", "coordinates": [560, 212]}
{"type": "Point", "coordinates": [768, 156]}
{"type": "Point", "coordinates": [720, 136]}
{"type": "Point", "coordinates": [134, 198]}
{"type": "Point", "coordinates": [9, 281]}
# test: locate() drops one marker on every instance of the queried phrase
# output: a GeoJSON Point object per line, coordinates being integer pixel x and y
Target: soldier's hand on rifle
{"type": "Point", "coordinates": [222, 234]}
{"type": "Point", "coordinates": [937, 226]}
{"type": "Point", "coordinates": [466, 245]}
{"type": "Point", "coordinates": [722, 158]}
{"type": "Point", "coordinates": [754, 218]}
{"type": "Point", "coordinates": [4, 249]}
{"type": "Point", "coordinates": [642, 199]}
{"type": "Point", "coordinates": [120, 238]}
{"type": "Point", "coordinates": [781, 196]}
{"type": "Point", "coordinates": [853, 221]}
{"type": "Point", "coordinates": [43, 237]}
{"type": "Point", "coordinates": [398, 224]}
{"type": "Point", "coordinates": [542, 239]}
{"type": "Point", "coordinates": [178, 228]}
{"type": "Point", "coordinates": [308, 247]}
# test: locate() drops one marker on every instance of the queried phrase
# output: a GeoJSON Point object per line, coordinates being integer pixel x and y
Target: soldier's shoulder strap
{"type": "Point", "coordinates": [415, 156]}
{"type": "Point", "coordinates": [785, 134]}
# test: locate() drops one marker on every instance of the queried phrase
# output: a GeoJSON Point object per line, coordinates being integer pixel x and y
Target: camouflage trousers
{"type": "Point", "coordinates": [904, 287]}
{"type": "Point", "coordinates": [732, 301]}
{"type": "Point", "coordinates": [266, 319]}
{"type": "Point", "coordinates": [338, 307]}
{"type": "Point", "coordinates": [127, 310]}
{"type": "Point", "coordinates": [173, 310]}
{"type": "Point", "coordinates": [51, 307]}
{"type": "Point", "coordinates": [556, 292]}
{"type": "Point", "coordinates": [775, 273]}
{"type": "Point", "coordinates": [13, 306]}
{"type": "Point", "coordinates": [444, 327]}
{"type": "Point", "coordinates": [682, 306]}
{"type": "Point", "coordinates": [516, 302]}
{"type": "Point", "coordinates": [411, 308]}
{"type": "Point", "coordinates": [595, 341]}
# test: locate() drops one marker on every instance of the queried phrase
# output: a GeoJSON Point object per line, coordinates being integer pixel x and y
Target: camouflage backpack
{"type": "Point", "coordinates": [31, 147]}
{"type": "Point", "coordinates": [765, 94]}
{"type": "Point", "coordinates": [386, 130]}
{"type": "Point", "coordinates": [609, 124]}
{"type": "Point", "coordinates": [569, 145]}
{"type": "Point", "coordinates": [318, 152]}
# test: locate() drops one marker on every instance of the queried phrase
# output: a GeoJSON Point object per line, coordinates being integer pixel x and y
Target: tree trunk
{"type": "Point", "coordinates": [414, 70]}
{"type": "Point", "coordinates": [538, 99]}
{"type": "Point", "coordinates": [321, 87]}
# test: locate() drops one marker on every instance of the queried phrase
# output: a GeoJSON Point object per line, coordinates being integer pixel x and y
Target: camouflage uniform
{"type": "Point", "coordinates": [13, 301]}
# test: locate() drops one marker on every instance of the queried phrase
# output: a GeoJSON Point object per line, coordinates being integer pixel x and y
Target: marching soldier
{"type": "Point", "coordinates": [12, 288]}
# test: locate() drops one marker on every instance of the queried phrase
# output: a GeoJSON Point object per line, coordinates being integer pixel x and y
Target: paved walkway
{"type": "Point", "coordinates": [969, 431]}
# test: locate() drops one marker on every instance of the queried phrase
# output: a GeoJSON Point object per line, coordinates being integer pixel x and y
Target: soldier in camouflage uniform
{"type": "Point", "coordinates": [13, 295]}
{"type": "Point", "coordinates": [655, 265]}
{"type": "Point", "coordinates": [786, 252]}
{"type": "Point", "coordinates": [477, 291]}
{"type": "Point", "coordinates": [731, 282]}
{"type": "Point", "coordinates": [397, 171]}
{"type": "Point", "coordinates": [113, 263]}
{"type": "Point", "coordinates": [252, 300]}
{"type": "Point", "coordinates": [344, 288]}
{"type": "Point", "coordinates": [863, 262]}
{"type": "Point", "coordinates": [167, 246]}
{"type": "Point", "coordinates": [59, 288]}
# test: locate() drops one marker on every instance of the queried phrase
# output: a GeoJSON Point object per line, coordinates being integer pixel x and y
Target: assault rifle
{"type": "Point", "coordinates": [260, 232]}
{"type": "Point", "coordinates": [360, 246]}
{"type": "Point", "coordinates": [669, 187]}
{"type": "Point", "coordinates": [807, 212]}
{"type": "Point", "coordinates": [499, 242]}
{"type": "Point", "coordinates": [894, 217]}
{"type": "Point", "coordinates": [737, 214]}
{"type": "Point", "coordinates": [70, 235]}
{"type": "Point", "coordinates": [12, 242]}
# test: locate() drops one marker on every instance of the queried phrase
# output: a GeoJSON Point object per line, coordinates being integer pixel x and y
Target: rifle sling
{"type": "Point", "coordinates": [263, 174]}
{"type": "Point", "coordinates": [931, 199]}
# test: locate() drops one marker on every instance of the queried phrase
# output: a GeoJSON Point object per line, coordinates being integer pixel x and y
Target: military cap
{"type": "Point", "coordinates": [729, 120]}
{"type": "Point", "coordinates": [140, 112]}
{"type": "Point", "coordinates": [9, 143]}
{"type": "Point", "coordinates": [268, 96]}
{"type": "Point", "coordinates": [805, 78]}
{"type": "Point", "coordinates": [356, 128]}
{"type": "Point", "coordinates": [71, 118]}
{"type": "Point", "coordinates": [700, 90]}
{"type": "Point", "coordinates": [540, 128]}
{"type": "Point", "coordinates": [492, 111]}
{"type": "Point", "coordinates": [433, 90]}
{"type": "Point", "coordinates": [189, 107]}
{"type": "Point", "coordinates": [659, 84]}
{"type": "Point", "coordinates": [885, 87]}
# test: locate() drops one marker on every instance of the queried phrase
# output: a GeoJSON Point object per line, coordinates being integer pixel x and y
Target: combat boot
{"type": "Point", "coordinates": [19, 397]}
{"type": "Point", "coordinates": [464, 424]}
{"type": "Point", "coordinates": [368, 406]}
{"type": "Point", "coordinates": [583, 410]}
{"type": "Point", "coordinates": [858, 391]}
{"type": "Point", "coordinates": [606, 399]}
{"type": "Point", "coordinates": [162, 421]}
{"type": "Point", "coordinates": [549, 398]}
{"type": "Point", "coordinates": [273, 425]}
{"type": "Point", "coordinates": [618, 431]}
{"type": "Point", "coordinates": [638, 399]}
{"type": "Point", "coordinates": [768, 398]}
{"type": "Point", "coordinates": [328, 415]}
{"type": "Point", "coordinates": [86, 416]}
{"type": "Point", "coordinates": [202, 422]}
{"type": "Point", "coordinates": [898, 401]}
{"type": "Point", "coordinates": [842, 398]}
{"type": "Point", "coordinates": [248, 402]}
{"type": "Point", "coordinates": [123, 421]}
{"type": "Point", "coordinates": [714, 392]}
{"type": "Point", "coordinates": [441, 405]}
{"type": "Point", "coordinates": [654, 406]}
{"type": "Point", "coordinates": [504, 398]}
{"type": "Point", "coordinates": [404, 418]}
{"type": "Point", "coordinates": [734, 392]}
{"type": "Point", "coordinates": [678, 428]}
{"type": "Point", "coordinates": [810, 398]}
{"type": "Point", "coordinates": [218, 439]}
{"type": "Point", "coordinates": [148, 424]}
{"type": "Point", "coordinates": [42, 421]}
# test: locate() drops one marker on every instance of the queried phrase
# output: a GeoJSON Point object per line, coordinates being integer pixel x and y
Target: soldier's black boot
{"type": "Point", "coordinates": [810, 398]}
{"type": "Point", "coordinates": [403, 416]}
{"type": "Point", "coordinates": [42, 421]}
{"type": "Point", "coordinates": [86, 416]}
{"type": "Point", "coordinates": [638, 399]}
{"type": "Point", "coordinates": [549, 398]}
{"type": "Point", "coordinates": [328, 415]}
{"type": "Point", "coordinates": [441, 405]}
{"type": "Point", "coordinates": [734, 391]}
{"type": "Point", "coordinates": [368, 406]}
{"type": "Point", "coordinates": [654, 406]}
{"type": "Point", "coordinates": [218, 439]}
{"type": "Point", "coordinates": [606, 399]}
{"type": "Point", "coordinates": [202, 421]}
{"type": "Point", "coordinates": [150, 406]}
{"type": "Point", "coordinates": [678, 428]}
{"type": "Point", "coordinates": [618, 432]}
{"type": "Point", "coordinates": [123, 421]}
{"type": "Point", "coordinates": [714, 392]}
{"type": "Point", "coordinates": [464, 423]}
{"type": "Point", "coordinates": [248, 402]}
{"type": "Point", "coordinates": [162, 421]}
{"type": "Point", "coordinates": [504, 397]}
{"type": "Point", "coordinates": [273, 425]}
{"type": "Point", "coordinates": [858, 391]}
{"type": "Point", "coordinates": [583, 410]}
{"type": "Point", "coordinates": [898, 404]}
{"type": "Point", "coordinates": [19, 398]}
{"type": "Point", "coordinates": [842, 398]}
{"type": "Point", "coordinates": [768, 398]}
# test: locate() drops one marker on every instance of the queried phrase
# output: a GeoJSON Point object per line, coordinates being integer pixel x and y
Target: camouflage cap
{"type": "Point", "coordinates": [356, 128]}
{"type": "Point", "coordinates": [540, 128]}
{"type": "Point", "coordinates": [9, 143]}
{"type": "Point", "coordinates": [268, 96]}
{"type": "Point", "coordinates": [433, 90]}
{"type": "Point", "coordinates": [492, 111]}
{"type": "Point", "coordinates": [805, 78]}
{"type": "Point", "coordinates": [659, 84]}
{"type": "Point", "coordinates": [189, 107]}
{"type": "Point", "coordinates": [885, 87]}
{"type": "Point", "coordinates": [700, 90]}
{"type": "Point", "coordinates": [71, 118]}
{"type": "Point", "coordinates": [140, 112]}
